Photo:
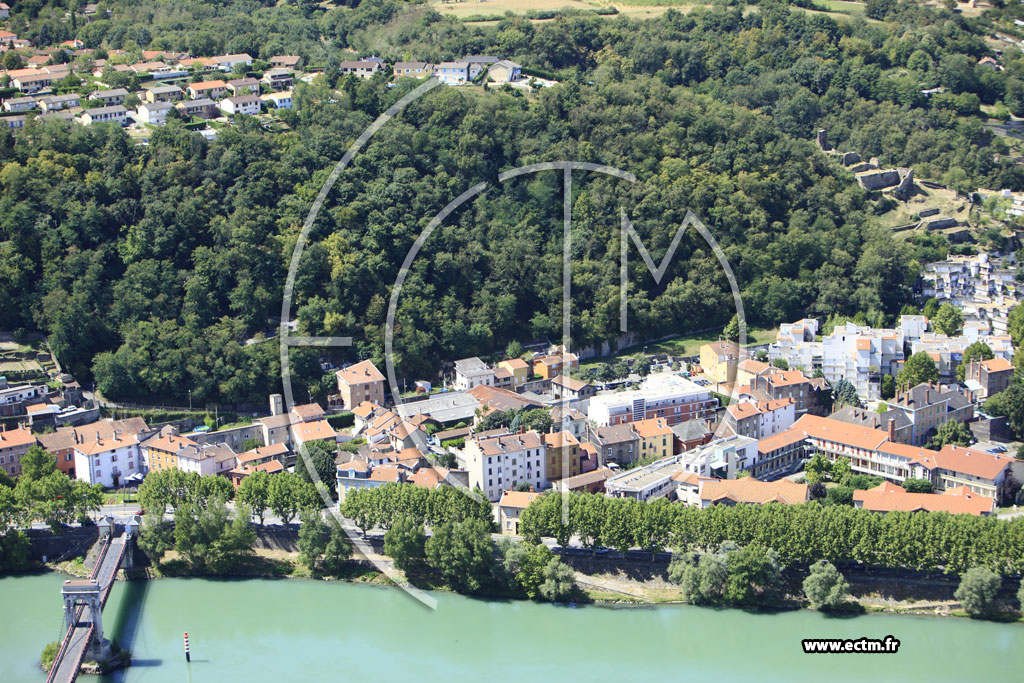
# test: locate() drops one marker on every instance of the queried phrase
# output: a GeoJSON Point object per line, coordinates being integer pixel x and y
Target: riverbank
{"type": "Point", "coordinates": [604, 579]}
{"type": "Point", "coordinates": [616, 588]}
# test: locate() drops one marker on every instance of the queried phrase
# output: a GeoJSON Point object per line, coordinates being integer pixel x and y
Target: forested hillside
{"type": "Point", "coordinates": [150, 266]}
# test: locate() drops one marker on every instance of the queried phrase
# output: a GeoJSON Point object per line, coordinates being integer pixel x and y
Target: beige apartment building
{"type": "Point", "coordinates": [360, 382]}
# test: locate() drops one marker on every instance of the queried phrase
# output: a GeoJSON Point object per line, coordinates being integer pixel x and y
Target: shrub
{"type": "Point", "coordinates": [977, 591]}
{"type": "Point", "coordinates": [825, 587]}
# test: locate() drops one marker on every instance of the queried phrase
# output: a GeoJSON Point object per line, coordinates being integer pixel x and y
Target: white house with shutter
{"type": "Point", "coordinates": [108, 461]}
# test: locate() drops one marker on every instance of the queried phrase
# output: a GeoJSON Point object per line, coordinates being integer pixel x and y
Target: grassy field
{"type": "Point", "coordinates": [924, 199]}
{"type": "Point", "coordinates": [638, 9]}
{"type": "Point", "coordinates": [20, 366]}
{"type": "Point", "coordinates": [683, 345]}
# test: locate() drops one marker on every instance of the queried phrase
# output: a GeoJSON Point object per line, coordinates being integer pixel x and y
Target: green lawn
{"type": "Point", "coordinates": [119, 497]}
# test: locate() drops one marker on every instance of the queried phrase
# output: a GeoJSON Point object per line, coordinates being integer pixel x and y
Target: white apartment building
{"type": "Point", "coordinates": [722, 458]}
{"type": "Point", "coordinates": [861, 355]}
{"type": "Point", "coordinates": [498, 461]}
{"type": "Point", "coordinates": [795, 343]}
{"type": "Point", "coordinates": [664, 395]}
{"type": "Point", "coordinates": [947, 352]}
{"type": "Point", "coordinates": [206, 459]}
{"type": "Point", "coordinates": [472, 372]}
{"type": "Point", "coordinates": [154, 113]}
{"type": "Point", "coordinates": [983, 286]}
{"type": "Point", "coordinates": [108, 461]}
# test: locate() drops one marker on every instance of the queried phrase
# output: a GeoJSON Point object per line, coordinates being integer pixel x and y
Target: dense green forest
{"type": "Point", "coordinates": [149, 267]}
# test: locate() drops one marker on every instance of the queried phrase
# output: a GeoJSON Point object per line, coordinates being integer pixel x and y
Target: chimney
{"type": "Point", "coordinates": [892, 429]}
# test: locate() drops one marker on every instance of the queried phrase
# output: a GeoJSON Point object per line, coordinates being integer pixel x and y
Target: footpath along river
{"type": "Point", "coordinates": [291, 630]}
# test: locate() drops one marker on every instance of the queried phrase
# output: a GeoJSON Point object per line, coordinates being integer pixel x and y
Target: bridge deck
{"type": "Point", "coordinates": [76, 640]}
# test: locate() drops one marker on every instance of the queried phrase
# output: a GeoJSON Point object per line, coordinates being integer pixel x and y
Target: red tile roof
{"type": "Point", "coordinates": [517, 499]}
{"type": "Point", "coordinates": [361, 373]}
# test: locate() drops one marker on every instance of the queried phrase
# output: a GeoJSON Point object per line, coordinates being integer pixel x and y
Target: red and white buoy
{"type": "Point", "coordinates": [188, 657]}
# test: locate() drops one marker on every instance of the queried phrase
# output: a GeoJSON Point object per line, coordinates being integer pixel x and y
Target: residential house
{"type": "Point", "coordinates": [241, 104]}
{"type": "Point", "coordinates": [519, 369]}
{"type": "Point", "coordinates": [280, 100]}
{"type": "Point", "coordinates": [360, 474]}
{"type": "Point", "coordinates": [991, 376]}
{"type": "Point", "coordinates": [14, 443]}
{"type": "Point", "coordinates": [108, 461]}
{"type": "Point", "coordinates": [244, 86]}
{"type": "Point", "coordinates": [618, 443]}
{"type": "Point", "coordinates": [661, 395]}
{"type": "Point", "coordinates": [363, 68]}
{"type": "Point", "coordinates": [690, 434]}
{"type": "Point", "coordinates": [315, 430]}
{"type": "Point", "coordinates": [279, 79]}
{"type": "Point", "coordinates": [563, 455]}
{"type": "Point", "coordinates": [114, 114]}
{"type": "Point", "coordinates": [504, 71]}
{"type": "Point", "coordinates": [20, 104]}
{"type": "Point", "coordinates": [510, 509]}
{"type": "Point", "coordinates": [61, 442]}
{"type": "Point", "coordinates": [656, 438]}
{"type": "Point", "coordinates": [160, 451]}
{"type": "Point", "coordinates": [14, 399]}
{"type": "Point", "coordinates": [588, 482]}
{"type": "Point", "coordinates": [493, 398]}
{"type": "Point", "coordinates": [760, 419]}
{"type": "Point", "coordinates": [58, 102]}
{"type": "Point", "coordinates": [360, 382]}
{"type": "Point", "coordinates": [207, 460]}
{"type": "Point", "coordinates": [893, 421]}
{"type": "Point", "coordinates": [229, 62]}
{"type": "Point", "coordinates": [552, 365]}
{"type": "Point", "coordinates": [718, 360]}
{"type": "Point", "coordinates": [286, 61]}
{"type": "Point", "coordinates": [5, 11]}
{"type": "Point", "coordinates": [748, 369]}
{"type": "Point", "coordinates": [207, 89]}
{"type": "Point", "coordinates": [32, 80]}
{"type": "Point", "coordinates": [774, 384]}
{"type": "Point", "coordinates": [751, 491]}
{"type": "Point", "coordinates": [569, 420]}
{"type": "Point", "coordinates": [888, 497]}
{"type": "Point", "coordinates": [570, 388]}
{"type": "Point", "coordinates": [929, 406]}
{"type": "Point", "coordinates": [164, 93]}
{"type": "Point", "coordinates": [413, 69]}
{"type": "Point", "coordinates": [110, 97]}
{"type": "Point", "coordinates": [203, 107]}
{"type": "Point", "coordinates": [452, 73]}
{"type": "Point", "coordinates": [471, 372]}
{"type": "Point", "coordinates": [153, 113]}
{"type": "Point", "coordinates": [14, 122]}
{"type": "Point", "coordinates": [499, 460]}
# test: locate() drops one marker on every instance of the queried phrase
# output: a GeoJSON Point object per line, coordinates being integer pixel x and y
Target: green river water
{"type": "Point", "coordinates": [290, 630]}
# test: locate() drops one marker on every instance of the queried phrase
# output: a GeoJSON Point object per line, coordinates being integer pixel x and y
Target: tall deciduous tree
{"type": "Point", "coordinates": [918, 368]}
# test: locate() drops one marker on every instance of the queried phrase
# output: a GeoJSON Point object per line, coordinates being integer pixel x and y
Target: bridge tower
{"type": "Point", "coordinates": [131, 530]}
{"type": "Point", "coordinates": [86, 592]}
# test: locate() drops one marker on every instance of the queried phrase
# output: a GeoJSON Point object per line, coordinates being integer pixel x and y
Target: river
{"type": "Point", "coordinates": [281, 630]}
